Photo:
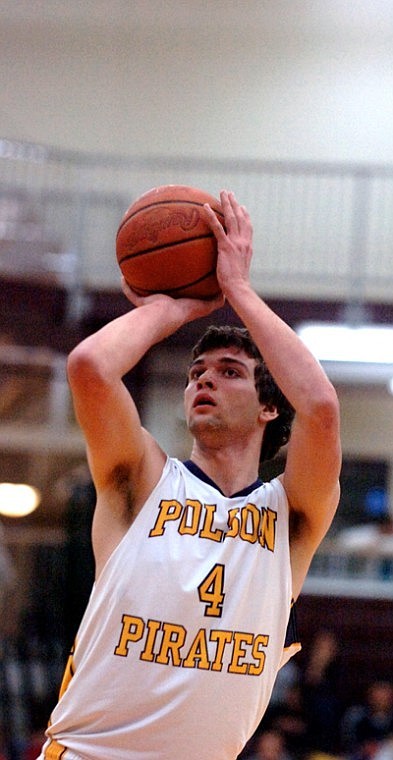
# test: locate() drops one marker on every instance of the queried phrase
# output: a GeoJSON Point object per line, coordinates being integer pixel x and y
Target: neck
{"type": "Point", "coordinates": [231, 470]}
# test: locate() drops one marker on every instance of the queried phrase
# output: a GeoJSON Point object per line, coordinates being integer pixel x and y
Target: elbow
{"type": "Point", "coordinates": [325, 408]}
{"type": "Point", "coordinates": [83, 370]}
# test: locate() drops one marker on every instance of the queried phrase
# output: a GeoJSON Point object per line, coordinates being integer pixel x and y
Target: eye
{"type": "Point", "coordinates": [230, 372]}
{"type": "Point", "coordinates": [195, 373]}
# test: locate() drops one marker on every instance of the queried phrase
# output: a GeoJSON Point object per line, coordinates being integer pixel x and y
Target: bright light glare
{"type": "Point", "coordinates": [18, 499]}
{"type": "Point", "coordinates": [371, 344]}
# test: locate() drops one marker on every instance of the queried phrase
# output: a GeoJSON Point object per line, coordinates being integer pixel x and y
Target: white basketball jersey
{"type": "Point", "coordinates": [178, 650]}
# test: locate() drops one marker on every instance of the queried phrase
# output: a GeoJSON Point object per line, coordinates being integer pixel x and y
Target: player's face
{"type": "Point", "coordinates": [221, 393]}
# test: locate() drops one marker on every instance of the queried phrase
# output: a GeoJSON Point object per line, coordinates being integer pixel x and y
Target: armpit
{"type": "Point", "coordinates": [120, 481]}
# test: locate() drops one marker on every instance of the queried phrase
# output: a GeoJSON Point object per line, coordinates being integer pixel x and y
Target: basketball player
{"type": "Point", "coordinates": [197, 563]}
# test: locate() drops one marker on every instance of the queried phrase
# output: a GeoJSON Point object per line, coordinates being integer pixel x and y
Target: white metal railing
{"type": "Point", "coordinates": [338, 571]}
{"type": "Point", "coordinates": [321, 230]}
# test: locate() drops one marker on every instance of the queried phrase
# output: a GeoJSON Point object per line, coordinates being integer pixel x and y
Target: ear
{"type": "Point", "coordinates": [267, 413]}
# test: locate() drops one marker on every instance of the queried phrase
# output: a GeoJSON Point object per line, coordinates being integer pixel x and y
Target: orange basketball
{"type": "Point", "coordinates": [164, 244]}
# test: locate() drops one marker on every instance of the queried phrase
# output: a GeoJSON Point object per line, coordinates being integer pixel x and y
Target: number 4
{"type": "Point", "coordinates": [211, 591]}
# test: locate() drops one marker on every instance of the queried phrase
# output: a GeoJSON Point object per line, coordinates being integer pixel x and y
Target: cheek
{"type": "Point", "coordinates": [246, 399]}
{"type": "Point", "coordinates": [247, 407]}
{"type": "Point", "coordinates": [187, 399]}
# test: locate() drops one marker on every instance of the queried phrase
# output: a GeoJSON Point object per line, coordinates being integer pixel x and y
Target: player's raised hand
{"type": "Point", "coordinates": [234, 242]}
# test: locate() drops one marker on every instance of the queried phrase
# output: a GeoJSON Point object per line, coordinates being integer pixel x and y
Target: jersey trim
{"type": "Point", "coordinates": [291, 636]}
{"type": "Point", "coordinates": [195, 470]}
{"type": "Point", "coordinates": [54, 751]}
{"type": "Point", "coordinates": [292, 644]}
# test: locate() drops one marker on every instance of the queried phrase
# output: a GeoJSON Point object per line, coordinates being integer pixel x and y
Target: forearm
{"type": "Point", "coordinates": [295, 370]}
{"type": "Point", "coordinates": [293, 367]}
{"type": "Point", "coordinates": [118, 346]}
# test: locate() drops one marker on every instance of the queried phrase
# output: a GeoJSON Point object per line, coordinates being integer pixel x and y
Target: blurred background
{"type": "Point", "coordinates": [290, 104]}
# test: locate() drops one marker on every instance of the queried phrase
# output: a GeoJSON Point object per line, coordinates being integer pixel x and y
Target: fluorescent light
{"type": "Point", "coordinates": [364, 344]}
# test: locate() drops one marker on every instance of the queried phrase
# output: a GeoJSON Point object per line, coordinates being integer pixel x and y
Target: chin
{"type": "Point", "coordinates": [204, 423]}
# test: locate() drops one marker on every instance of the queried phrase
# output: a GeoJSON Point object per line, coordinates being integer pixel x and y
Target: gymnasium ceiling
{"type": "Point", "coordinates": [281, 18]}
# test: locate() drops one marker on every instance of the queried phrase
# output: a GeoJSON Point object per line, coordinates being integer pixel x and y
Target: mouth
{"type": "Point", "coordinates": [203, 400]}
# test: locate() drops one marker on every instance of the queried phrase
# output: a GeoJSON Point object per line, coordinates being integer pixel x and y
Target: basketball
{"type": "Point", "coordinates": [164, 244]}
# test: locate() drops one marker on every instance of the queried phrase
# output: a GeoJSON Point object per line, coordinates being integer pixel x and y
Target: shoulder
{"type": "Point", "coordinates": [276, 491]}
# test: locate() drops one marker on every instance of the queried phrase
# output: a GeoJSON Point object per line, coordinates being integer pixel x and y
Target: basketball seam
{"type": "Point", "coordinates": [164, 245]}
{"type": "Point", "coordinates": [177, 287]}
{"type": "Point", "coordinates": [163, 203]}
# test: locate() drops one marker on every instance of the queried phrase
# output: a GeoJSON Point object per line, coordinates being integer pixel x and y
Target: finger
{"type": "Point", "coordinates": [125, 286]}
{"type": "Point", "coordinates": [241, 215]}
{"type": "Point", "coordinates": [135, 299]}
{"type": "Point", "coordinates": [245, 224]}
{"type": "Point", "coordinates": [213, 222]}
{"type": "Point", "coordinates": [240, 212]}
{"type": "Point", "coordinates": [230, 208]}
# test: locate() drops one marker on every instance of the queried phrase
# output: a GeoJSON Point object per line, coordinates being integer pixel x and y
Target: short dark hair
{"type": "Point", "coordinates": [277, 431]}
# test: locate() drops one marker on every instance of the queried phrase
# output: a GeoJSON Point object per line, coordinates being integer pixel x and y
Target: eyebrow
{"type": "Point", "coordinates": [221, 360]}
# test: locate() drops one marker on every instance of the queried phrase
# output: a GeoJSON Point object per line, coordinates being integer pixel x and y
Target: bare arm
{"type": "Point", "coordinates": [125, 461]}
{"type": "Point", "coordinates": [314, 456]}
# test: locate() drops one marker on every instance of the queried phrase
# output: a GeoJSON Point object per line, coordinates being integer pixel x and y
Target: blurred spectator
{"type": "Point", "coordinates": [320, 688]}
{"type": "Point", "coordinates": [366, 725]}
{"type": "Point", "coordinates": [7, 575]}
{"type": "Point", "coordinates": [79, 560]}
{"type": "Point", "coordinates": [324, 756]}
{"type": "Point", "coordinates": [8, 579]}
{"type": "Point", "coordinates": [290, 719]}
{"type": "Point", "coordinates": [367, 750]}
{"type": "Point", "coordinates": [287, 676]}
{"type": "Point", "coordinates": [269, 745]}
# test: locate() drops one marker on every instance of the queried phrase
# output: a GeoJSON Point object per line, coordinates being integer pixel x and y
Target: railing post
{"type": "Point", "coordinates": [355, 310]}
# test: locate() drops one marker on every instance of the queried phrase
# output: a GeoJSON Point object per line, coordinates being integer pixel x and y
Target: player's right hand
{"type": "Point", "coordinates": [184, 309]}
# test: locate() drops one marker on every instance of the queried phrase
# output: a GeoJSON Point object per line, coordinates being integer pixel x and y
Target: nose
{"type": "Point", "coordinates": [205, 380]}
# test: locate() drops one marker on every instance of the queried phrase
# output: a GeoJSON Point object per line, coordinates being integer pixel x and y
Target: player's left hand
{"type": "Point", "coordinates": [234, 242]}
